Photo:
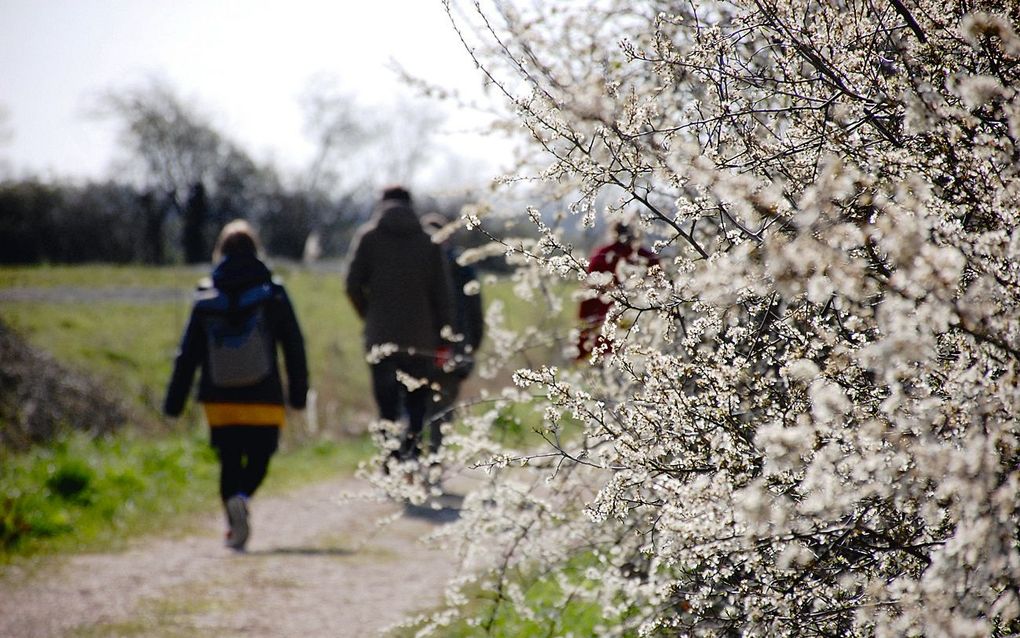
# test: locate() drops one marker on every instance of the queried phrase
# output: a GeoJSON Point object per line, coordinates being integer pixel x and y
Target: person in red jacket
{"type": "Point", "coordinates": [622, 248]}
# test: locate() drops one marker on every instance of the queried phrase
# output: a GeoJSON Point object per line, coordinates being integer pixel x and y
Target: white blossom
{"type": "Point", "coordinates": [802, 422]}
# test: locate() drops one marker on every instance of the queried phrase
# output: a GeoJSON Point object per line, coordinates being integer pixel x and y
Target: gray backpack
{"type": "Point", "coordinates": [241, 349]}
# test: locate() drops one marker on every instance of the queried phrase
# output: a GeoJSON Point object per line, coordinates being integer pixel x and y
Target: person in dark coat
{"type": "Point", "coordinates": [399, 284]}
{"type": "Point", "coordinates": [239, 318]}
{"type": "Point", "coordinates": [468, 328]}
{"type": "Point", "coordinates": [621, 248]}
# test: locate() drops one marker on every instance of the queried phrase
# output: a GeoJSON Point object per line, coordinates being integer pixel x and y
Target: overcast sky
{"type": "Point", "coordinates": [244, 62]}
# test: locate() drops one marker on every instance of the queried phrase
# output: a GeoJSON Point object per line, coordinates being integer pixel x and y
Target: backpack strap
{"type": "Point", "coordinates": [214, 300]}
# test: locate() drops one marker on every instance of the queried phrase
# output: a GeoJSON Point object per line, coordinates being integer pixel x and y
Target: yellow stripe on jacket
{"type": "Point", "coordinates": [218, 414]}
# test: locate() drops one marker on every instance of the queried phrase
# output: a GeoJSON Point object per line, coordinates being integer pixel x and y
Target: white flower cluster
{"type": "Point", "coordinates": [804, 421]}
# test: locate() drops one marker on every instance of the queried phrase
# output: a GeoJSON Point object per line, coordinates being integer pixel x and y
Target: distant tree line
{"type": "Point", "coordinates": [60, 222]}
{"type": "Point", "coordinates": [63, 222]}
{"type": "Point", "coordinates": [180, 179]}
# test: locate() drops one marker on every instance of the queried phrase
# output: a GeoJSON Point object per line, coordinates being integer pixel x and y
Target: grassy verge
{"type": "Point", "coordinates": [81, 493]}
{"type": "Point", "coordinates": [100, 275]}
{"type": "Point", "coordinates": [84, 494]}
{"type": "Point", "coordinates": [543, 608]}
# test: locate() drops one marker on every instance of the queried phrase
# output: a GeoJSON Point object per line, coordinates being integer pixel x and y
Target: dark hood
{"type": "Point", "coordinates": [397, 218]}
{"type": "Point", "coordinates": [240, 273]}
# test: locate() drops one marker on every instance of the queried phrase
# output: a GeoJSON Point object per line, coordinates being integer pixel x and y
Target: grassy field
{"type": "Point", "coordinates": [130, 343]}
{"type": "Point", "coordinates": [99, 276]}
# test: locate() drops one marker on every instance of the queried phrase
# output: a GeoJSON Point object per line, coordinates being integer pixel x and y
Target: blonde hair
{"type": "Point", "coordinates": [237, 238]}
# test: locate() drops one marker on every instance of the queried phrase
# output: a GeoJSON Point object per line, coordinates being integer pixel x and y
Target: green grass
{"type": "Point", "coordinates": [299, 465]}
{"type": "Point", "coordinates": [100, 276]}
{"type": "Point", "coordinates": [130, 345]}
{"type": "Point", "coordinates": [333, 340]}
{"type": "Point", "coordinates": [546, 610]}
{"type": "Point", "coordinates": [82, 493]}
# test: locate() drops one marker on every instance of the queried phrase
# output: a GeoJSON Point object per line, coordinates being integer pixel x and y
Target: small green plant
{"type": "Point", "coordinates": [541, 608]}
{"type": "Point", "coordinates": [82, 491]}
{"type": "Point", "coordinates": [71, 481]}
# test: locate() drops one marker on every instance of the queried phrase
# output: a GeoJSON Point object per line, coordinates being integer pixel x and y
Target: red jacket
{"type": "Point", "coordinates": [607, 259]}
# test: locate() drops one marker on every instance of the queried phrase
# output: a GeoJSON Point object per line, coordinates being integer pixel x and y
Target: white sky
{"type": "Point", "coordinates": [244, 62]}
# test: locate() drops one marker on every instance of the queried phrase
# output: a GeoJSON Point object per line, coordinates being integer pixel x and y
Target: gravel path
{"type": "Point", "coordinates": [316, 566]}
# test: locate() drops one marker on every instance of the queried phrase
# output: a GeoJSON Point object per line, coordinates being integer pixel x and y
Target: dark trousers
{"type": "Point", "coordinates": [394, 400]}
{"type": "Point", "coordinates": [440, 408]}
{"type": "Point", "coordinates": [244, 452]}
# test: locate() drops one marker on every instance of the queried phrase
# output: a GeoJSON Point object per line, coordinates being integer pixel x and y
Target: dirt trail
{"type": "Point", "coordinates": [315, 567]}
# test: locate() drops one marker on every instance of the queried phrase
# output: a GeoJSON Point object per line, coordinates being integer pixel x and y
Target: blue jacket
{"type": "Point", "coordinates": [239, 283]}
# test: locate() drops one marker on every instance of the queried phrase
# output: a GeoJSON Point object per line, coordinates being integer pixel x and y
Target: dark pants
{"type": "Point", "coordinates": [440, 408]}
{"type": "Point", "coordinates": [244, 452]}
{"type": "Point", "coordinates": [394, 400]}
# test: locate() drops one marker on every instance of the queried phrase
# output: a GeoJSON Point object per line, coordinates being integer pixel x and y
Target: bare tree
{"type": "Point", "coordinates": [405, 140]}
{"type": "Point", "coordinates": [172, 148]}
{"type": "Point", "coordinates": [360, 147]}
{"type": "Point", "coordinates": [339, 130]}
{"type": "Point", "coordinates": [170, 144]}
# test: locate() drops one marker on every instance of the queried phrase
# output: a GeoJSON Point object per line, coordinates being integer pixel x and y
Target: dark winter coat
{"type": "Point", "coordinates": [239, 283]}
{"type": "Point", "coordinates": [398, 281]}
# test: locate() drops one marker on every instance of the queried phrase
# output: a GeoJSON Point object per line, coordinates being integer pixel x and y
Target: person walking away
{"type": "Point", "coordinates": [607, 258]}
{"type": "Point", "coordinates": [239, 318]}
{"type": "Point", "coordinates": [468, 327]}
{"type": "Point", "coordinates": [399, 285]}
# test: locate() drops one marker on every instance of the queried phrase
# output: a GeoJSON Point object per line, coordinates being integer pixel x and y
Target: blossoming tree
{"type": "Point", "coordinates": [804, 420]}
